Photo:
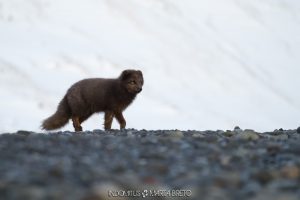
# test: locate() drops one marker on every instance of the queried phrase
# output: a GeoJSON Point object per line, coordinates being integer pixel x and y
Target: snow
{"type": "Point", "coordinates": [207, 64]}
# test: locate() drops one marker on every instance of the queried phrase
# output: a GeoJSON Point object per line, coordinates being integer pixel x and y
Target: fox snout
{"type": "Point", "coordinates": [139, 90]}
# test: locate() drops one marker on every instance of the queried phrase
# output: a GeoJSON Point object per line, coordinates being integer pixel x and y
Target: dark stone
{"type": "Point", "coordinates": [273, 148]}
{"type": "Point", "coordinates": [263, 177]}
{"type": "Point", "coordinates": [25, 133]}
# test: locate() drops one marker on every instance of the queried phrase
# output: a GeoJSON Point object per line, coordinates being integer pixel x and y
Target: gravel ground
{"type": "Point", "coordinates": [163, 164]}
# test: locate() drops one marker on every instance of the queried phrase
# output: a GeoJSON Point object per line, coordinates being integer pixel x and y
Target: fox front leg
{"type": "Point", "coordinates": [121, 119]}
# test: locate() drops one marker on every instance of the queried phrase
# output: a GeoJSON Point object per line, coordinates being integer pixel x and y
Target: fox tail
{"type": "Point", "coordinates": [59, 118]}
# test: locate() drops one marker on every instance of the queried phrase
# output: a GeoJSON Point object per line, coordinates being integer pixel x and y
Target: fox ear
{"type": "Point", "coordinates": [125, 74]}
{"type": "Point", "coordinates": [140, 72]}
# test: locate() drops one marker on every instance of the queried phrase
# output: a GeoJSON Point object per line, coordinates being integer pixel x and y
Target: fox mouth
{"type": "Point", "coordinates": [135, 91]}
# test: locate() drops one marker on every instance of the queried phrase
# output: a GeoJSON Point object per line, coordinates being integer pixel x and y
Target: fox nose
{"type": "Point", "coordinates": [139, 90]}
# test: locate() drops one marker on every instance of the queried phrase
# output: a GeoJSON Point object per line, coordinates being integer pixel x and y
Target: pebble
{"type": "Point", "coordinates": [290, 172]}
{"type": "Point", "coordinates": [251, 188]}
{"type": "Point", "coordinates": [283, 185]}
{"type": "Point", "coordinates": [274, 195]}
{"type": "Point", "coordinates": [198, 135]}
{"type": "Point", "coordinates": [273, 148]}
{"type": "Point", "coordinates": [229, 133]}
{"type": "Point", "coordinates": [33, 193]}
{"type": "Point", "coordinates": [237, 130]}
{"type": "Point", "coordinates": [248, 135]}
{"type": "Point", "coordinates": [228, 180]}
{"type": "Point", "coordinates": [280, 137]}
{"type": "Point", "coordinates": [175, 134]}
{"type": "Point", "coordinates": [25, 133]}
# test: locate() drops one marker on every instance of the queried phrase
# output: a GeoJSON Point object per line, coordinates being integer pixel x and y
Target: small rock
{"type": "Point", "coordinates": [280, 137]}
{"type": "Point", "coordinates": [176, 134]}
{"type": "Point", "coordinates": [290, 172]}
{"type": "Point", "coordinates": [202, 161]}
{"type": "Point", "coordinates": [150, 180]}
{"type": "Point", "coordinates": [278, 131]}
{"type": "Point", "coordinates": [211, 138]}
{"type": "Point", "coordinates": [251, 187]}
{"type": "Point", "coordinates": [237, 130]}
{"type": "Point", "coordinates": [273, 148]}
{"type": "Point", "coordinates": [197, 135]}
{"type": "Point", "coordinates": [32, 192]}
{"type": "Point", "coordinates": [248, 135]}
{"type": "Point", "coordinates": [25, 133]}
{"type": "Point", "coordinates": [128, 180]}
{"type": "Point", "coordinates": [105, 191]}
{"type": "Point", "coordinates": [241, 152]}
{"type": "Point", "coordinates": [298, 129]}
{"type": "Point", "coordinates": [263, 177]}
{"type": "Point", "coordinates": [229, 133]}
{"type": "Point", "coordinates": [225, 160]}
{"type": "Point", "coordinates": [56, 172]}
{"type": "Point", "coordinates": [214, 193]}
{"type": "Point", "coordinates": [228, 180]}
{"type": "Point", "coordinates": [130, 134]}
{"type": "Point", "coordinates": [274, 195]}
{"type": "Point", "coordinates": [157, 168]}
{"type": "Point", "coordinates": [283, 185]}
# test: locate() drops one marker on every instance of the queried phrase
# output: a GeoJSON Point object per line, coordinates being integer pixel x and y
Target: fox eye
{"type": "Point", "coordinates": [132, 82]}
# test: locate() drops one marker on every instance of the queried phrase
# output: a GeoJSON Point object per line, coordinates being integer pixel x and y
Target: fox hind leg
{"type": "Point", "coordinates": [76, 123]}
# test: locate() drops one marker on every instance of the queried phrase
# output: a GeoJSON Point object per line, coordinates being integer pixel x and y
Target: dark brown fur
{"type": "Point", "coordinates": [90, 96]}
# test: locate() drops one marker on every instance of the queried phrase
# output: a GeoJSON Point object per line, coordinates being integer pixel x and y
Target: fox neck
{"type": "Point", "coordinates": [123, 95]}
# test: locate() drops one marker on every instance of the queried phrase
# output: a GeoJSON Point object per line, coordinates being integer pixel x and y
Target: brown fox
{"type": "Point", "coordinates": [89, 96]}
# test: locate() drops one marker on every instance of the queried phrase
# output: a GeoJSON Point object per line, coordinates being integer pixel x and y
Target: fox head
{"type": "Point", "coordinates": [132, 80]}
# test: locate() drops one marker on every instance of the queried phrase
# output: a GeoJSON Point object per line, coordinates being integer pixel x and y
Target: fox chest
{"type": "Point", "coordinates": [121, 105]}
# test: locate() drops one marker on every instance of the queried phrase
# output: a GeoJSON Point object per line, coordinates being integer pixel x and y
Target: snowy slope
{"type": "Point", "coordinates": [207, 64]}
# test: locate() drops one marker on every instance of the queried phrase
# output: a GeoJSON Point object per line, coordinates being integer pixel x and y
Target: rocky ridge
{"type": "Point", "coordinates": [146, 164]}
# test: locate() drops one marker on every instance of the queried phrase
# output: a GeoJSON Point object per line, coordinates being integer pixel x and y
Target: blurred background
{"type": "Point", "coordinates": [207, 64]}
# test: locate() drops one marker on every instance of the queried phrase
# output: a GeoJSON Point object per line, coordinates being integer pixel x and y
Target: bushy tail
{"type": "Point", "coordinates": [59, 118]}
